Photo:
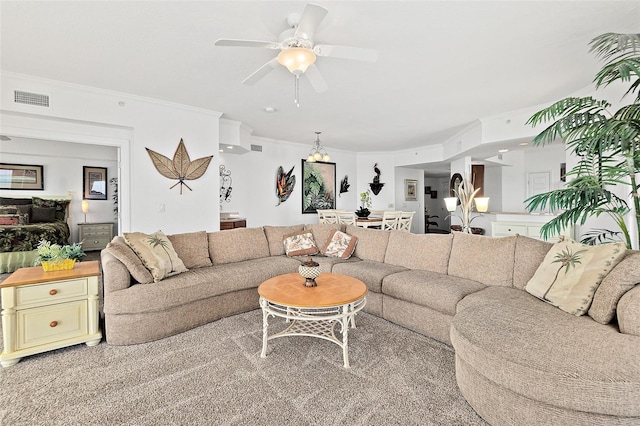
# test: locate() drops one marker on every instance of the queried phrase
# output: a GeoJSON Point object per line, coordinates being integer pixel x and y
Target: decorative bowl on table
{"type": "Point", "coordinates": [363, 212]}
{"type": "Point", "coordinates": [309, 270]}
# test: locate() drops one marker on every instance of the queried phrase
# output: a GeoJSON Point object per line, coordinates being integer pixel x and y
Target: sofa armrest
{"type": "Point", "coordinates": [115, 276]}
{"type": "Point", "coordinates": [628, 312]}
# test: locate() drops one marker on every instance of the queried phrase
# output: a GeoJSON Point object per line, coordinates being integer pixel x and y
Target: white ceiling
{"type": "Point", "coordinates": [442, 64]}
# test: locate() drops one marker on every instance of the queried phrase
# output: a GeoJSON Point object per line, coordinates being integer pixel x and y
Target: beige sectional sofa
{"type": "Point", "coordinates": [518, 360]}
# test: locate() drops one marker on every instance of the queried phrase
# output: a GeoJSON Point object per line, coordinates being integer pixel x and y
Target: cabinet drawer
{"type": "Point", "coordinates": [96, 230]}
{"type": "Point", "coordinates": [51, 292]}
{"type": "Point", "coordinates": [94, 242]}
{"type": "Point", "coordinates": [49, 324]}
{"type": "Point", "coordinates": [501, 229]}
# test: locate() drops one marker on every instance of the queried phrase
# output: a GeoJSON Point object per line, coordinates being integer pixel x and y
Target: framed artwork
{"type": "Point", "coordinates": [434, 194]}
{"type": "Point", "coordinates": [427, 190]}
{"type": "Point", "coordinates": [21, 176]}
{"type": "Point", "coordinates": [318, 186]}
{"type": "Point", "coordinates": [94, 183]}
{"type": "Point", "coordinates": [410, 190]}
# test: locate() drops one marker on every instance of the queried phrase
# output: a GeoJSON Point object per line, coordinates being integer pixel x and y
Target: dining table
{"type": "Point", "coordinates": [369, 222]}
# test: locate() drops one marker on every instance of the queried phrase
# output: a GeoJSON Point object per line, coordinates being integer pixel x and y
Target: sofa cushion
{"type": "Point", "coordinates": [628, 312]}
{"type": "Point", "coordinates": [487, 260]}
{"type": "Point", "coordinates": [275, 237]}
{"type": "Point", "coordinates": [528, 256]}
{"type": "Point", "coordinates": [621, 279]}
{"type": "Point", "coordinates": [198, 284]}
{"type": "Point", "coordinates": [327, 263]}
{"type": "Point", "coordinates": [339, 245]}
{"type": "Point", "coordinates": [571, 272]}
{"type": "Point", "coordinates": [156, 252]}
{"type": "Point", "coordinates": [299, 243]}
{"type": "Point", "coordinates": [541, 353]}
{"type": "Point", "coordinates": [437, 291]}
{"type": "Point", "coordinates": [119, 249]}
{"type": "Point", "coordinates": [372, 243]}
{"type": "Point", "coordinates": [192, 248]}
{"type": "Point", "coordinates": [495, 294]}
{"type": "Point", "coordinates": [369, 272]}
{"type": "Point", "coordinates": [236, 245]}
{"type": "Point", "coordinates": [322, 231]}
{"type": "Point", "coordinates": [429, 252]}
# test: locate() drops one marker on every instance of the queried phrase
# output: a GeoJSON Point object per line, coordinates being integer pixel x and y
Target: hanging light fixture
{"type": "Point", "coordinates": [297, 60]}
{"type": "Point", "coordinates": [318, 153]}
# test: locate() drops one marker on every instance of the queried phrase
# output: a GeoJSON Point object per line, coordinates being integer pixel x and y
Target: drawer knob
{"type": "Point", "coordinates": [95, 241]}
{"type": "Point", "coordinates": [53, 324]}
{"type": "Point", "coordinates": [53, 292]}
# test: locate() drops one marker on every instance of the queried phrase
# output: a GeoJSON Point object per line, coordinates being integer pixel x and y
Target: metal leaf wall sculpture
{"type": "Point", "coordinates": [344, 185]}
{"type": "Point", "coordinates": [285, 183]}
{"type": "Point", "coordinates": [181, 167]}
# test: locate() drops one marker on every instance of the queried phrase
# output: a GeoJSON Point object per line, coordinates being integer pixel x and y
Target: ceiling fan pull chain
{"type": "Point", "coordinates": [297, 90]}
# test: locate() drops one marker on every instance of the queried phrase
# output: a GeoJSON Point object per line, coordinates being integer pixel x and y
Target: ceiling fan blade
{"type": "Point", "coordinates": [261, 72]}
{"type": "Point", "coordinates": [311, 17]}
{"type": "Point", "coordinates": [247, 43]}
{"type": "Point", "coordinates": [316, 79]}
{"type": "Point", "coordinates": [346, 52]}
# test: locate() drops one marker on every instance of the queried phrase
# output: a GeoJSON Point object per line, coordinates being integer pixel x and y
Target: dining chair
{"type": "Point", "coordinates": [390, 220]}
{"type": "Point", "coordinates": [404, 221]}
{"type": "Point", "coordinates": [330, 216]}
{"type": "Point", "coordinates": [347, 218]}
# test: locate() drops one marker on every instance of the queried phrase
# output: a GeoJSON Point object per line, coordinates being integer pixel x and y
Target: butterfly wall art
{"type": "Point", "coordinates": [181, 167]}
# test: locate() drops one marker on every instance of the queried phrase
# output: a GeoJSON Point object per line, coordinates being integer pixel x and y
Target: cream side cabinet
{"type": "Point", "coordinates": [529, 229]}
{"type": "Point", "coordinates": [95, 236]}
{"type": "Point", "coordinates": [43, 311]}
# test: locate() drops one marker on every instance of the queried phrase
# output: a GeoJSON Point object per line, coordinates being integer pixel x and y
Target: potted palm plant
{"type": "Point", "coordinates": [607, 143]}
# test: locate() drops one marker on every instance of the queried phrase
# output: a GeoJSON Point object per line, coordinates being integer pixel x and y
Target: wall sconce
{"type": "Point", "coordinates": [85, 209]}
{"type": "Point", "coordinates": [465, 194]}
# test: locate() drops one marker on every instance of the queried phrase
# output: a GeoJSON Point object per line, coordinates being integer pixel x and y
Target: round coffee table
{"type": "Point", "coordinates": [312, 311]}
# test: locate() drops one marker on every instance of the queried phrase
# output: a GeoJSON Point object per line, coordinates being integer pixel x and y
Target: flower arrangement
{"type": "Point", "coordinates": [365, 203]}
{"type": "Point", "coordinates": [55, 257]}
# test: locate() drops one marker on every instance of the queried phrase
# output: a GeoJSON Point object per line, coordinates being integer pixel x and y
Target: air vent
{"type": "Point", "coordinates": [27, 98]}
{"type": "Point", "coordinates": [257, 148]}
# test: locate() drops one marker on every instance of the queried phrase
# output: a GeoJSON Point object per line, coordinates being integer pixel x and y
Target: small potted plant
{"type": "Point", "coordinates": [365, 203]}
{"type": "Point", "coordinates": [55, 257]}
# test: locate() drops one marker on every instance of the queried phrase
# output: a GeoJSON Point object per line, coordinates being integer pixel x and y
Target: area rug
{"type": "Point", "coordinates": [214, 375]}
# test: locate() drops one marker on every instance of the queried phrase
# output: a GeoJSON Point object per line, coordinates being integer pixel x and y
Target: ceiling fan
{"type": "Point", "coordinates": [298, 52]}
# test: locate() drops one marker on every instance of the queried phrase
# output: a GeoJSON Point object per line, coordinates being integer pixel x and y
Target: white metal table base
{"type": "Point", "coordinates": [312, 322]}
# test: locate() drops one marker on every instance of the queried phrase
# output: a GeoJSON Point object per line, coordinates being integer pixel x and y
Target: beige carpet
{"type": "Point", "coordinates": [214, 375]}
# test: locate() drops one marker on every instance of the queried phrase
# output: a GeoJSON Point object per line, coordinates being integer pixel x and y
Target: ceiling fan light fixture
{"type": "Point", "coordinates": [297, 59]}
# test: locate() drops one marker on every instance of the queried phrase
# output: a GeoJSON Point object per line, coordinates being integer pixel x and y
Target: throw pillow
{"type": "Point", "coordinates": [571, 273]}
{"type": "Point", "coordinates": [156, 253]}
{"type": "Point", "coordinates": [119, 249]}
{"type": "Point", "coordinates": [192, 248]}
{"type": "Point", "coordinates": [6, 210]}
{"type": "Point", "coordinates": [340, 245]}
{"type": "Point", "coordinates": [42, 215]}
{"type": "Point", "coordinates": [621, 279]}
{"type": "Point", "coordinates": [299, 243]}
{"type": "Point", "coordinates": [9, 219]}
{"type": "Point", "coordinates": [60, 207]}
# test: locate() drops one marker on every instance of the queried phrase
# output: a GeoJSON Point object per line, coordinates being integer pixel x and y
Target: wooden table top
{"type": "Point", "coordinates": [36, 274]}
{"type": "Point", "coordinates": [332, 290]}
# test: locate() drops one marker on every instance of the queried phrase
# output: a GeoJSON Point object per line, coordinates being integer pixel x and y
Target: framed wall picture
{"type": "Point", "coordinates": [21, 176]}
{"type": "Point", "coordinates": [94, 183]}
{"type": "Point", "coordinates": [410, 190]}
{"type": "Point", "coordinates": [318, 186]}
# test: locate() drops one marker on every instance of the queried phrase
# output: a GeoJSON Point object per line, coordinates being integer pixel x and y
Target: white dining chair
{"type": "Point", "coordinates": [390, 220]}
{"type": "Point", "coordinates": [328, 216]}
{"type": "Point", "coordinates": [404, 221]}
{"type": "Point", "coordinates": [347, 218]}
